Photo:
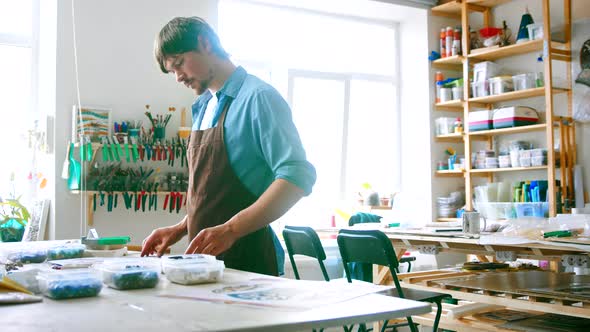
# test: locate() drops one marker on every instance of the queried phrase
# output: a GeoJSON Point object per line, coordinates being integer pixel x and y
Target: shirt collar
{"type": "Point", "coordinates": [234, 82]}
{"type": "Point", "coordinates": [230, 88]}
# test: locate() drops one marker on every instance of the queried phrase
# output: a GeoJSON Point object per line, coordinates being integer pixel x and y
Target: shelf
{"type": "Point", "coordinates": [494, 53]}
{"type": "Point", "coordinates": [449, 173]}
{"type": "Point", "coordinates": [453, 106]}
{"type": "Point", "coordinates": [514, 95]}
{"type": "Point", "coordinates": [513, 130]}
{"type": "Point", "coordinates": [453, 62]}
{"type": "Point", "coordinates": [452, 138]}
{"type": "Point", "coordinates": [508, 169]}
{"type": "Point", "coordinates": [453, 8]}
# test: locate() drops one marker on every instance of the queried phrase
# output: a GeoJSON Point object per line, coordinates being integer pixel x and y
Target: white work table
{"type": "Point", "coordinates": [145, 310]}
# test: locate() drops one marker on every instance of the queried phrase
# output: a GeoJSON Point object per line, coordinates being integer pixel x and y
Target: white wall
{"type": "Point", "coordinates": [114, 41]}
{"type": "Point", "coordinates": [116, 69]}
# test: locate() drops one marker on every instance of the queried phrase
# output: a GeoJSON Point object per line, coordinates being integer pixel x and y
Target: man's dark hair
{"type": "Point", "coordinates": [181, 35]}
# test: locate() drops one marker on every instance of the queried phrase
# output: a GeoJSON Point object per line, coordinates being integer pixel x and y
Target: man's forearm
{"type": "Point", "coordinates": [278, 198]}
{"type": "Point", "coordinates": [182, 226]}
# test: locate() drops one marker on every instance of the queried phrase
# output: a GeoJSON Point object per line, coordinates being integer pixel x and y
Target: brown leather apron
{"type": "Point", "coordinates": [215, 194]}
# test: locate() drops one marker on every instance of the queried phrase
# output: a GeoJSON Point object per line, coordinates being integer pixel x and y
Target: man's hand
{"type": "Point", "coordinates": [160, 240]}
{"type": "Point", "coordinates": [213, 240]}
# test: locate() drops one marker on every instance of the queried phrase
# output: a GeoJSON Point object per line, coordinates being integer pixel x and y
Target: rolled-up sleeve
{"type": "Point", "coordinates": [278, 140]}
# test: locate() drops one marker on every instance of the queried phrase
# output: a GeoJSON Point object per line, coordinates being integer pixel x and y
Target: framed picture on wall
{"type": "Point", "coordinates": [35, 229]}
{"type": "Point", "coordinates": [90, 121]}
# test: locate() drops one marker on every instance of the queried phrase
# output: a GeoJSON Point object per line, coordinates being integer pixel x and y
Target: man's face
{"type": "Point", "coordinates": [191, 69]}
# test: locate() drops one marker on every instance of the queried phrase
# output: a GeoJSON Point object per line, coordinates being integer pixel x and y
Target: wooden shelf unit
{"type": "Point", "coordinates": [453, 8]}
{"type": "Point", "coordinates": [550, 128]}
{"type": "Point", "coordinates": [508, 169]}
{"type": "Point", "coordinates": [515, 95]}
{"type": "Point", "coordinates": [507, 131]}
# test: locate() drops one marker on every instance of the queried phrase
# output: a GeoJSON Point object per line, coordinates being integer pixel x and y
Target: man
{"type": "Point", "coordinates": [247, 166]}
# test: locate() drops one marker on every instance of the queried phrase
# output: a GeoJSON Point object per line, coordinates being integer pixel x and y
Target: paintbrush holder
{"type": "Point", "coordinates": [133, 132]}
{"type": "Point", "coordinates": [184, 132]}
{"type": "Point", "coordinates": [159, 133]}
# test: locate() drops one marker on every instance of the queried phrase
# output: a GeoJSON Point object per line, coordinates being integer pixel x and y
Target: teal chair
{"type": "Point", "coordinates": [305, 241]}
{"type": "Point", "coordinates": [374, 247]}
{"type": "Point", "coordinates": [301, 240]}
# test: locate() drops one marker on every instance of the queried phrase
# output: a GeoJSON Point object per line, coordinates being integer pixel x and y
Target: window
{"type": "Point", "coordinates": [17, 82]}
{"type": "Point", "coordinates": [339, 74]}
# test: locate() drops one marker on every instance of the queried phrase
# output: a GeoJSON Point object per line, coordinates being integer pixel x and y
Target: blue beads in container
{"type": "Point", "coordinates": [28, 255]}
{"type": "Point", "coordinates": [67, 251]}
{"type": "Point", "coordinates": [126, 274]}
{"type": "Point", "coordinates": [69, 284]}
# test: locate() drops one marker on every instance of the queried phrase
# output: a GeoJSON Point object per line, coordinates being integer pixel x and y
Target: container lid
{"type": "Point", "coordinates": [178, 260]}
{"type": "Point", "coordinates": [74, 274]}
{"type": "Point", "coordinates": [129, 264]}
{"type": "Point", "coordinates": [202, 267]}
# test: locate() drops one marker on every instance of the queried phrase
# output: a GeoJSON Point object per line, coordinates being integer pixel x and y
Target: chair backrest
{"type": "Point", "coordinates": [368, 246]}
{"type": "Point", "coordinates": [305, 241]}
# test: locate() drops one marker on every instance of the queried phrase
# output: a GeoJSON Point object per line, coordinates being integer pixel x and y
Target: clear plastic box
{"type": "Point", "coordinates": [496, 210]}
{"type": "Point", "coordinates": [500, 84]}
{"type": "Point", "coordinates": [66, 251]}
{"type": "Point", "coordinates": [532, 209]}
{"type": "Point", "coordinates": [192, 269]}
{"type": "Point", "coordinates": [485, 70]}
{"type": "Point", "coordinates": [538, 161]}
{"type": "Point", "coordinates": [535, 31]}
{"type": "Point", "coordinates": [480, 89]}
{"type": "Point", "coordinates": [444, 125]}
{"type": "Point", "coordinates": [524, 81]}
{"type": "Point", "coordinates": [27, 255]}
{"type": "Point", "coordinates": [130, 273]}
{"type": "Point", "coordinates": [66, 284]}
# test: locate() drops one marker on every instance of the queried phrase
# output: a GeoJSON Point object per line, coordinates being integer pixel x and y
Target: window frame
{"type": "Point", "coordinates": [32, 42]}
{"type": "Point", "coordinates": [347, 78]}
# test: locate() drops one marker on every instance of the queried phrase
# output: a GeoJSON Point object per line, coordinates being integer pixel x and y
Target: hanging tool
{"type": "Point", "coordinates": [134, 151]}
{"type": "Point", "coordinates": [113, 148]}
{"type": "Point", "coordinates": [105, 151]}
{"type": "Point", "coordinates": [126, 143]}
{"type": "Point", "coordinates": [65, 170]}
{"type": "Point", "coordinates": [74, 168]}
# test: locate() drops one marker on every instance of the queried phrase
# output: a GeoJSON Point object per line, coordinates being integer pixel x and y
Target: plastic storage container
{"type": "Point", "coordinates": [480, 89]}
{"type": "Point", "coordinates": [535, 31]}
{"type": "Point", "coordinates": [130, 273]}
{"type": "Point", "coordinates": [67, 251]}
{"type": "Point", "coordinates": [444, 126]}
{"type": "Point", "coordinates": [192, 269]}
{"type": "Point", "coordinates": [504, 161]}
{"type": "Point", "coordinates": [524, 81]}
{"type": "Point", "coordinates": [532, 209]}
{"type": "Point", "coordinates": [457, 93]}
{"type": "Point", "coordinates": [485, 70]}
{"type": "Point", "coordinates": [500, 84]}
{"type": "Point", "coordinates": [67, 284]}
{"type": "Point", "coordinates": [26, 255]}
{"type": "Point", "coordinates": [496, 210]}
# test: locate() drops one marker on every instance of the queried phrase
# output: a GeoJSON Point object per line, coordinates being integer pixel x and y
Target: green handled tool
{"type": "Point", "coordinates": [127, 156]}
{"type": "Point", "coordinates": [134, 149]}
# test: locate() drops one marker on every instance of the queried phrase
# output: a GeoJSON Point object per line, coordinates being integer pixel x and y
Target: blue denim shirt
{"type": "Point", "coordinates": [260, 137]}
